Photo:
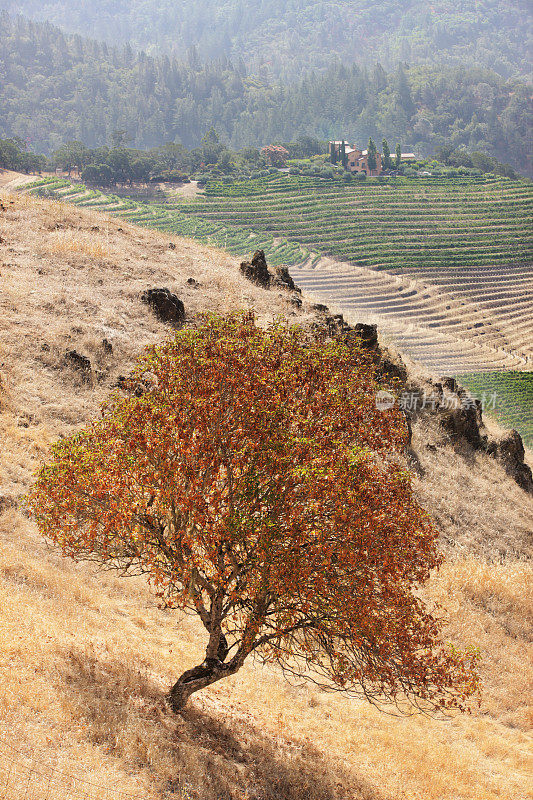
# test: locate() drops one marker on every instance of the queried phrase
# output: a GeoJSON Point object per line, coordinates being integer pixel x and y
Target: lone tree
{"type": "Point", "coordinates": [275, 154]}
{"type": "Point", "coordinates": [254, 482]}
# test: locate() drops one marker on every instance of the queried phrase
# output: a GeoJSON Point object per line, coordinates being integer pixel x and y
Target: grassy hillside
{"type": "Point", "coordinates": [85, 656]}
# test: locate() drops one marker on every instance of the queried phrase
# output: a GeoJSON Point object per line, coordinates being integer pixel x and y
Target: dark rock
{"type": "Point", "coordinates": [167, 306]}
{"type": "Point", "coordinates": [171, 246]}
{"type": "Point", "coordinates": [390, 368]}
{"type": "Point", "coordinates": [366, 334]}
{"type": "Point", "coordinates": [256, 270]}
{"type": "Point", "coordinates": [509, 451]}
{"type": "Point", "coordinates": [282, 277]}
{"type": "Point", "coordinates": [320, 307]}
{"type": "Point", "coordinates": [462, 421]}
{"type": "Point", "coordinates": [78, 361]}
{"type": "Point", "coordinates": [95, 228]}
{"type": "Point", "coordinates": [106, 344]}
{"type": "Point", "coordinates": [337, 325]}
{"type": "Point", "coordinates": [6, 503]}
{"type": "Point", "coordinates": [450, 384]}
{"type": "Point", "coordinates": [295, 300]}
{"type": "Point", "coordinates": [192, 282]}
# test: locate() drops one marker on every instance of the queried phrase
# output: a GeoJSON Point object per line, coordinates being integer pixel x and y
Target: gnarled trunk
{"type": "Point", "coordinates": [211, 671]}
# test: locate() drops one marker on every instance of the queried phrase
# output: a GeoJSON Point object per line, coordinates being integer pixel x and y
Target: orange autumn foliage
{"type": "Point", "coordinates": [255, 482]}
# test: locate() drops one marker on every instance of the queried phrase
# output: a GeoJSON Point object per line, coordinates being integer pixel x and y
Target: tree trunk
{"type": "Point", "coordinates": [211, 671]}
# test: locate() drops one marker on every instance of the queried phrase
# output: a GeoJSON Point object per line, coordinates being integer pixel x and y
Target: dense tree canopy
{"type": "Point", "coordinates": [256, 483]}
{"type": "Point", "coordinates": [14, 155]}
{"type": "Point", "coordinates": [55, 88]}
{"type": "Point", "coordinates": [283, 38]}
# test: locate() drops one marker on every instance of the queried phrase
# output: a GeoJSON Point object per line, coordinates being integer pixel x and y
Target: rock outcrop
{"type": "Point", "coordinates": [509, 451]}
{"type": "Point", "coordinates": [460, 418]}
{"type": "Point", "coordinates": [458, 415]}
{"type": "Point", "coordinates": [166, 305]}
{"type": "Point", "coordinates": [257, 271]}
{"type": "Point", "coordinates": [78, 361]}
{"type": "Point", "coordinates": [282, 277]}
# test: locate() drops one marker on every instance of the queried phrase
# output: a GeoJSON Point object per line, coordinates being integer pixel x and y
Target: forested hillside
{"type": "Point", "coordinates": [55, 87]}
{"type": "Point", "coordinates": [284, 37]}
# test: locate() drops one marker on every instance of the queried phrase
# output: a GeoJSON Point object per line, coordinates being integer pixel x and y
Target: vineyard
{"type": "Point", "coordinates": [396, 224]}
{"type": "Point", "coordinates": [237, 240]}
{"type": "Point", "coordinates": [442, 264]}
{"type": "Point", "coordinates": [506, 396]}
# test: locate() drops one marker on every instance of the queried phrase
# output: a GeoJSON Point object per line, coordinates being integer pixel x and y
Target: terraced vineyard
{"type": "Point", "coordinates": [398, 224]}
{"type": "Point", "coordinates": [168, 217]}
{"type": "Point", "coordinates": [443, 265]}
{"type": "Point", "coordinates": [507, 396]}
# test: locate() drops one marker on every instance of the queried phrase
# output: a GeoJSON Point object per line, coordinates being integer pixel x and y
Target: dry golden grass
{"type": "Point", "coordinates": [85, 657]}
{"type": "Point", "coordinates": [66, 242]}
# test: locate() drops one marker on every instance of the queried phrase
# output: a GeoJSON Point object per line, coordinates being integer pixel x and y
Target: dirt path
{"type": "Point", "coordinates": [187, 190]}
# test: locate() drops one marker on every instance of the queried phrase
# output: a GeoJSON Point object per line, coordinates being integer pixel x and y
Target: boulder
{"type": "Point", "coordinates": [257, 271]}
{"type": "Point", "coordinates": [166, 305]}
{"type": "Point", "coordinates": [366, 334]}
{"type": "Point", "coordinates": [450, 384]}
{"type": "Point", "coordinates": [462, 421]}
{"type": "Point", "coordinates": [78, 361]}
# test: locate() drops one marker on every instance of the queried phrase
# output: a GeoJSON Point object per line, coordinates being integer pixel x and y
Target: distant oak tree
{"type": "Point", "coordinates": [255, 483]}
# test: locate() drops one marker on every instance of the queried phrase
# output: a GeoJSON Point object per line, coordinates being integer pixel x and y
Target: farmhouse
{"type": "Point", "coordinates": [357, 160]}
